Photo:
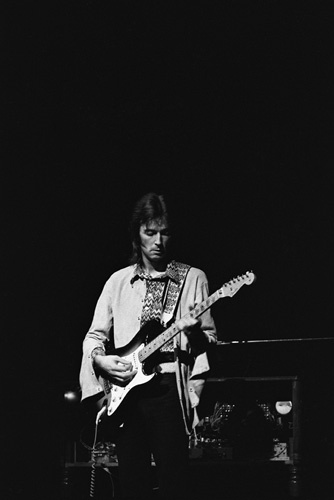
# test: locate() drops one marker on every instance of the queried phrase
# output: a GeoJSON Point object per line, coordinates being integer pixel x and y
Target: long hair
{"type": "Point", "coordinates": [150, 207]}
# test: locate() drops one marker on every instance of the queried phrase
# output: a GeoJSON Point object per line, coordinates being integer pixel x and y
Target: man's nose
{"type": "Point", "coordinates": [158, 239]}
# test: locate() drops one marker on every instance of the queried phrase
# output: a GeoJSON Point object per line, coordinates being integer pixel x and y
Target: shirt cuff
{"type": "Point", "coordinates": [95, 352]}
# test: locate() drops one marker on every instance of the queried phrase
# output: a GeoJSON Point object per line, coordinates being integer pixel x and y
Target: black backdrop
{"type": "Point", "coordinates": [222, 106]}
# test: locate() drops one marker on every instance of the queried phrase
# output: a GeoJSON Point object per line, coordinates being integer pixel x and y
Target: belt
{"type": "Point", "coordinates": [166, 361]}
{"type": "Point", "coordinates": [168, 357]}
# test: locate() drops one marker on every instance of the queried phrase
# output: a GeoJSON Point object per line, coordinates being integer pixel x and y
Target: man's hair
{"type": "Point", "coordinates": [151, 207]}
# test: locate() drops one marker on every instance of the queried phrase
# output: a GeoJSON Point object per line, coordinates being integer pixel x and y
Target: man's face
{"type": "Point", "coordinates": [154, 238]}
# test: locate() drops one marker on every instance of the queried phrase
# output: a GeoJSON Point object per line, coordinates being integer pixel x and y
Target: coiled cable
{"type": "Point", "coordinates": [93, 468]}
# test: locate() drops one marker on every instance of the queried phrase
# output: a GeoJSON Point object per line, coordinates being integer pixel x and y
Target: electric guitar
{"type": "Point", "coordinates": [142, 348]}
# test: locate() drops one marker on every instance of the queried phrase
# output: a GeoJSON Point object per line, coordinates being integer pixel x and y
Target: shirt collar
{"type": "Point", "coordinates": [171, 272]}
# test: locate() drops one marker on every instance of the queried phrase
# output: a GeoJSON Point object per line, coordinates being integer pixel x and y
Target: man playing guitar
{"type": "Point", "coordinates": [136, 304]}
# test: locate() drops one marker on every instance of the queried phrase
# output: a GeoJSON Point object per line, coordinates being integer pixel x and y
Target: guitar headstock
{"type": "Point", "coordinates": [232, 286]}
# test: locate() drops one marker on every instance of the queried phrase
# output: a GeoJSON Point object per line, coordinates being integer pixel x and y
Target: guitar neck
{"type": "Point", "coordinates": [174, 329]}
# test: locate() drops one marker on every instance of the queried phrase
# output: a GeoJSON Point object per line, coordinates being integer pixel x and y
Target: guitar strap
{"type": "Point", "coordinates": [173, 290]}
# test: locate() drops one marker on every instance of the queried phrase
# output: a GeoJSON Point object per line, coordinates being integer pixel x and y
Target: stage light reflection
{"type": "Point", "coordinates": [71, 396]}
{"type": "Point", "coordinates": [283, 407]}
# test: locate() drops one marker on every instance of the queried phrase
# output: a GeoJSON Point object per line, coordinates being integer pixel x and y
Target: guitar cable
{"type": "Point", "coordinates": [93, 468]}
{"type": "Point", "coordinates": [94, 453]}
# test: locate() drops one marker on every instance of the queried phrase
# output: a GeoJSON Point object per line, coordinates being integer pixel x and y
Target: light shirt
{"type": "Point", "coordinates": [118, 315]}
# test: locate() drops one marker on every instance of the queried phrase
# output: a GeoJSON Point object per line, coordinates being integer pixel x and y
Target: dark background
{"type": "Point", "coordinates": [223, 106]}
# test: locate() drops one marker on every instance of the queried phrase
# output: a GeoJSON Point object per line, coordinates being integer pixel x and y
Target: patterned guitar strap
{"type": "Point", "coordinates": [177, 272]}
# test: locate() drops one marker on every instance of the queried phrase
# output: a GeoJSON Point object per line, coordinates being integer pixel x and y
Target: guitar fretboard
{"type": "Point", "coordinates": [174, 329]}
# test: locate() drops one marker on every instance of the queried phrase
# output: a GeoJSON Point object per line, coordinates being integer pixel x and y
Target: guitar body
{"type": "Point", "coordinates": [115, 393]}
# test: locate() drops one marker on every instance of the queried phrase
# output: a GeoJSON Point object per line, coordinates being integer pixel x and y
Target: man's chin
{"type": "Point", "coordinates": [158, 257]}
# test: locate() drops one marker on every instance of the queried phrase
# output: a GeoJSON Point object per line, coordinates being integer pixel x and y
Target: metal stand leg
{"type": "Point", "coordinates": [295, 480]}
